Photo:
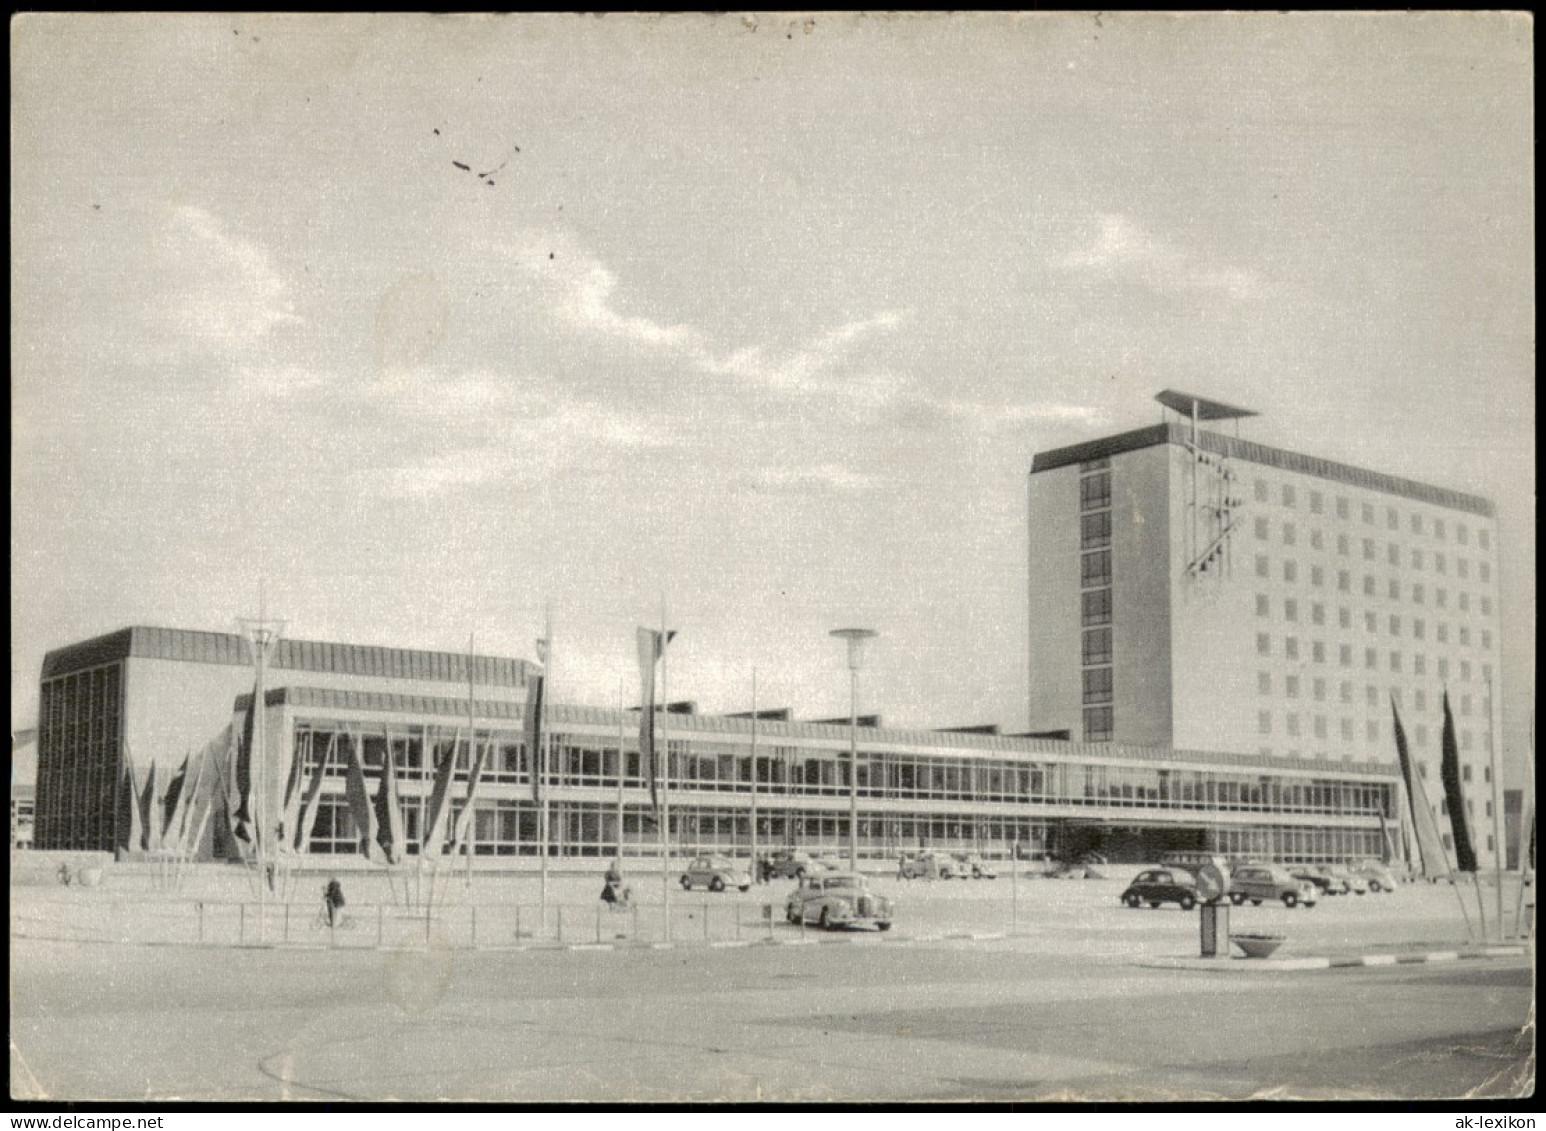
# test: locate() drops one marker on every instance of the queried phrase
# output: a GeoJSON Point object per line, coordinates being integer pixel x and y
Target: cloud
{"type": "Point", "coordinates": [1121, 247]}
{"type": "Point", "coordinates": [583, 292]}
{"type": "Point", "coordinates": [1010, 416]}
{"type": "Point", "coordinates": [514, 434]}
{"type": "Point", "coordinates": [222, 290]}
{"type": "Point", "coordinates": [822, 478]}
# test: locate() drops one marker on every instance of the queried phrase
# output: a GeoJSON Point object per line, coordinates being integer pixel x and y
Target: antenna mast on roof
{"type": "Point", "coordinates": [1212, 504]}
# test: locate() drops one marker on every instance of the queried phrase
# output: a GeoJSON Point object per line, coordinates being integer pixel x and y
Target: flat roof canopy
{"type": "Point", "coordinates": [1206, 409]}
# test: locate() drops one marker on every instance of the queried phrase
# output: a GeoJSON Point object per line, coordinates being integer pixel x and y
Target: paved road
{"type": "Point", "coordinates": [997, 1020]}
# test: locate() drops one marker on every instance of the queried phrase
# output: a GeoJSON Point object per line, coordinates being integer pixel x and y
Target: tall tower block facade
{"type": "Point", "coordinates": [1196, 590]}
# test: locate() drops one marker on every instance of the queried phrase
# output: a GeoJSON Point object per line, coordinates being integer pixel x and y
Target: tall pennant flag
{"type": "Point", "coordinates": [358, 798]}
{"type": "Point", "coordinates": [1425, 828]}
{"type": "Point", "coordinates": [389, 815]}
{"type": "Point", "coordinates": [308, 820]}
{"type": "Point", "coordinates": [291, 809]}
{"type": "Point", "coordinates": [131, 830]}
{"type": "Point", "coordinates": [1465, 856]}
{"type": "Point", "coordinates": [192, 793]}
{"type": "Point", "coordinates": [244, 753]}
{"type": "Point", "coordinates": [150, 823]}
{"type": "Point", "coordinates": [465, 826]}
{"type": "Point", "coordinates": [169, 804]}
{"type": "Point", "coordinates": [439, 801]}
{"type": "Point", "coordinates": [650, 651]}
{"type": "Point", "coordinates": [533, 725]}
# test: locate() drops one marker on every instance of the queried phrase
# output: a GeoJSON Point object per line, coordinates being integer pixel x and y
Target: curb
{"type": "Point", "coordinates": [1231, 964]}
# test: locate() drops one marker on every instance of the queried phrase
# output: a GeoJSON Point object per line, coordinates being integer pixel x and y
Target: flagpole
{"type": "Point", "coordinates": [545, 655]}
{"type": "Point", "coordinates": [1526, 828]}
{"type": "Point", "coordinates": [621, 760]}
{"type": "Point", "coordinates": [662, 743]}
{"type": "Point", "coordinates": [754, 870]}
{"type": "Point", "coordinates": [470, 816]}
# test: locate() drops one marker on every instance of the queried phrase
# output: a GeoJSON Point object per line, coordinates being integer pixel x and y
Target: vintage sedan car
{"type": "Point", "coordinates": [1378, 876]}
{"type": "Point", "coordinates": [1158, 886]}
{"type": "Point", "coordinates": [1260, 882]}
{"type": "Point", "coordinates": [972, 865]}
{"type": "Point", "coordinates": [929, 865]}
{"type": "Point", "coordinates": [1324, 881]}
{"type": "Point", "coordinates": [838, 899]}
{"type": "Point", "coordinates": [1355, 883]}
{"type": "Point", "coordinates": [716, 873]}
{"type": "Point", "coordinates": [789, 864]}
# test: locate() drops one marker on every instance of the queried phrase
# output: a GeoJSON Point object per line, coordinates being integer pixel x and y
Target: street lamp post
{"type": "Point", "coordinates": [856, 638]}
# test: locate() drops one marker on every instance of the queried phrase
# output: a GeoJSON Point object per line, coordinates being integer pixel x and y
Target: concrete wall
{"type": "Point", "coordinates": [1054, 700]}
{"type": "Point", "coordinates": [1141, 528]}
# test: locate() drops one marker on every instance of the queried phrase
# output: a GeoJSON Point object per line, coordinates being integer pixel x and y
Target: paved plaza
{"type": "Point", "coordinates": [1062, 1007]}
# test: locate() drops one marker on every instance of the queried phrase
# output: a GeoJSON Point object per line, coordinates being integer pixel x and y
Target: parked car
{"type": "Point", "coordinates": [1355, 883]}
{"type": "Point", "coordinates": [972, 865]}
{"type": "Point", "coordinates": [1259, 882]}
{"type": "Point", "coordinates": [927, 865]}
{"type": "Point", "coordinates": [841, 899]}
{"type": "Point", "coordinates": [1158, 886]}
{"type": "Point", "coordinates": [1378, 876]}
{"type": "Point", "coordinates": [716, 873]}
{"type": "Point", "coordinates": [1324, 881]}
{"type": "Point", "coordinates": [789, 864]}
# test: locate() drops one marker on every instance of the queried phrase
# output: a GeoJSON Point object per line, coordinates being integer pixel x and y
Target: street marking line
{"type": "Point", "coordinates": [723, 944]}
{"type": "Point", "coordinates": [593, 946]}
{"type": "Point", "coordinates": [1379, 960]}
{"type": "Point", "coordinates": [1443, 956]}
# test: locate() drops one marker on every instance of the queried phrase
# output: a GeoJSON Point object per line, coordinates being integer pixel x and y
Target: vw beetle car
{"type": "Point", "coordinates": [1355, 882]}
{"type": "Point", "coordinates": [838, 899]}
{"type": "Point", "coordinates": [715, 873]}
{"type": "Point", "coordinates": [1259, 882]}
{"type": "Point", "coordinates": [1158, 886]}
{"type": "Point", "coordinates": [1378, 876]}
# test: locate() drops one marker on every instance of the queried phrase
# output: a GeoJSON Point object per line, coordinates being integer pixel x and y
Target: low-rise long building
{"type": "Point", "coordinates": [123, 712]}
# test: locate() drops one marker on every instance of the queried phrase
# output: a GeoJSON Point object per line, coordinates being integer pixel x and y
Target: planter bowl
{"type": "Point", "coordinates": [1257, 946]}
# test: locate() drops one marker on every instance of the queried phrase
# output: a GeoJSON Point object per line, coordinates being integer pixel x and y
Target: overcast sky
{"type": "Point", "coordinates": [763, 317]}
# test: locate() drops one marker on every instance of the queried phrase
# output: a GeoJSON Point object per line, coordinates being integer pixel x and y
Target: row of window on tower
{"type": "Point", "coordinates": [1095, 599]}
{"type": "Point", "coordinates": [1419, 525]}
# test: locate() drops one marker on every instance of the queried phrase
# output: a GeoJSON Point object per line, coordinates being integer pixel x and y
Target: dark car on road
{"type": "Point", "coordinates": [1159, 886]}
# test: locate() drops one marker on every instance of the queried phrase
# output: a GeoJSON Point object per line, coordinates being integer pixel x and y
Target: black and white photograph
{"type": "Point", "coordinates": [773, 559]}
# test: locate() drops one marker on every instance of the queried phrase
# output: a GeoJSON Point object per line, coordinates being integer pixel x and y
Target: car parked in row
{"type": "Point", "coordinates": [1356, 884]}
{"type": "Point", "coordinates": [928, 865]}
{"type": "Point", "coordinates": [840, 899]}
{"type": "Point", "coordinates": [1158, 886]}
{"type": "Point", "coordinates": [1378, 876]}
{"type": "Point", "coordinates": [716, 873]}
{"type": "Point", "coordinates": [792, 864]}
{"type": "Point", "coordinates": [971, 864]}
{"type": "Point", "coordinates": [1261, 882]}
{"type": "Point", "coordinates": [1325, 883]}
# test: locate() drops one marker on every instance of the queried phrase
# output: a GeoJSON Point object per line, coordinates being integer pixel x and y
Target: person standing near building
{"type": "Point", "coordinates": [333, 900]}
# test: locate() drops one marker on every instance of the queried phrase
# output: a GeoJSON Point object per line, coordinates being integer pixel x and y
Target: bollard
{"type": "Point", "coordinates": [635, 910]}
{"type": "Point", "coordinates": [426, 928]}
{"type": "Point", "coordinates": [598, 922]}
{"type": "Point", "coordinates": [1214, 924]}
{"type": "Point", "coordinates": [380, 924]}
{"type": "Point", "coordinates": [241, 924]}
{"type": "Point", "coordinates": [474, 926]}
{"type": "Point", "coordinates": [201, 921]}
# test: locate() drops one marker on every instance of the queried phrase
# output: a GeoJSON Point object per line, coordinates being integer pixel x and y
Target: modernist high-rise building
{"type": "Point", "coordinates": [1195, 590]}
